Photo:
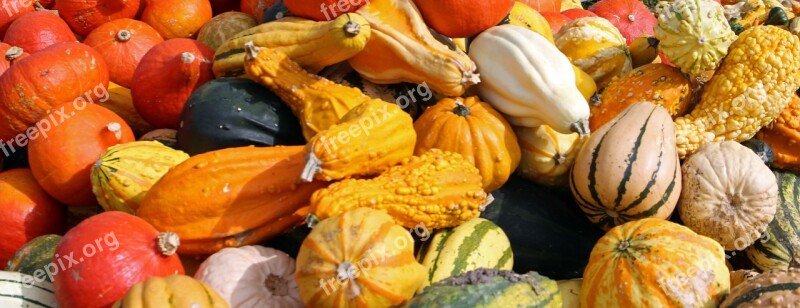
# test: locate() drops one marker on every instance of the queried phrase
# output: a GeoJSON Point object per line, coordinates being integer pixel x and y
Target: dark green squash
{"type": "Point", "coordinates": [779, 248]}
{"type": "Point", "coordinates": [34, 255]}
{"type": "Point", "coordinates": [490, 288]}
{"type": "Point", "coordinates": [548, 232]}
{"type": "Point", "coordinates": [234, 112]}
{"type": "Point", "coordinates": [777, 17]}
{"type": "Point", "coordinates": [762, 149]}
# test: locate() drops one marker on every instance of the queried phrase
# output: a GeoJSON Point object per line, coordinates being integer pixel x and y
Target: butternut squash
{"type": "Point", "coordinates": [313, 45]}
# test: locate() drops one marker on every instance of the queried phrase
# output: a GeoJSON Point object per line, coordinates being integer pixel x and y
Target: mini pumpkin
{"type": "Point", "coordinates": [123, 43]}
{"type": "Point", "coordinates": [177, 18]}
{"type": "Point", "coordinates": [84, 16]}
{"type": "Point", "coordinates": [459, 18]}
{"type": "Point", "coordinates": [35, 31]}
{"type": "Point", "coordinates": [547, 155]}
{"type": "Point", "coordinates": [631, 17]}
{"type": "Point", "coordinates": [728, 194]}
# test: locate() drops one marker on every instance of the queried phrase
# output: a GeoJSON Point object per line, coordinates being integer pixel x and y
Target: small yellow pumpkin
{"type": "Point", "coordinates": [171, 291]}
{"type": "Point", "coordinates": [547, 155]}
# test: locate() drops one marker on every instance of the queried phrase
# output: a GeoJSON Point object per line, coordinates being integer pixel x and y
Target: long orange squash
{"type": "Point", "coordinates": [231, 197]}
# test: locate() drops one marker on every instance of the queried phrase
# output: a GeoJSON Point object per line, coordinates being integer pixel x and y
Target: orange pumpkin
{"type": "Point", "coordinates": [12, 10]}
{"type": "Point", "coordinates": [35, 31]}
{"type": "Point", "coordinates": [544, 6]}
{"type": "Point", "coordinates": [27, 212]}
{"type": "Point", "coordinates": [62, 157]}
{"type": "Point", "coordinates": [75, 72]}
{"type": "Point", "coordinates": [658, 83]}
{"type": "Point", "coordinates": [123, 43]}
{"type": "Point", "coordinates": [83, 16]}
{"type": "Point", "coordinates": [783, 135]}
{"type": "Point", "coordinates": [166, 77]}
{"type": "Point", "coordinates": [255, 8]}
{"type": "Point", "coordinates": [475, 130]}
{"type": "Point", "coordinates": [10, 55]}
{"type": "Point", "coordinates": [459, 18]}
{"type": "Point", "coordinates": [177, 18]}
{"type": "Point", "coordinates": [323, 10]}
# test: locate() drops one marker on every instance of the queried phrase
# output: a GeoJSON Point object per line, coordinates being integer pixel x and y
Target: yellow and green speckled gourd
{"type": "Point", "coordinates": [125, 172]}
{"type": "Point", "coordinates": [693, 34]}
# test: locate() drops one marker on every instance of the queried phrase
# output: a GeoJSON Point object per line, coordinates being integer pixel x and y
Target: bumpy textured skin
{"type": "Point", "coordinates": [751, 88]}
{"type": "Point", "coordinates": [693, 34]}
{"type": "Point", "coordinates": [655, 263]}
{"type": "Point", "coordinates": [777, 288]}
{"type": "Point", "coordinates": [125, 172]}
{"type": "Point", "coordinates": [783, 135]}
{"type": "Point", "coordinates": [317, 102]}
{"type": "Point", "coordinates": [368, 140]}
{"type": "Point", "coordinates": [402, 49]}
{"type": "Point", "coordinates": [313, 45]}
{"type": "Point", "coordinates": [438, 189]}
{"type": "Point", "coordinates": [358, 259]}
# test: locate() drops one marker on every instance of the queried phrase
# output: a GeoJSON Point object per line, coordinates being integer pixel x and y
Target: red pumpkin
{"type": "Point", "coordinates": [123, 43]}
{"type": "Point", "coordinates": [578, 13]}
{"type": "Point", "coordinates": [459, 18]}
{"type": "Point", "coordinates": [36, 30]}
{"type": "Point", "coordinates": [73, 70]}
{"type": "Point", "coordinates": [324, 10]}
{"type": "Point", "coordinates": [10, 55]}
{"type": "Point", "coordinates": [556, 20]}
{"type": "Point", "coordinates": [61, 158]}
{"type": "Point", "coordinates": [112, 251]}
{"type": "Point", "coordinates": [631, 17]}
{"type": "Point", "coordinates": [27, 212]}
{"type": "Point", "coordinates": [167, 76]}
{"type": "Point", "coordinates": [83, 16]}
{"type": "Point", "coordinates": [10, 10]}
{"type": "Point", "coordinates": [177, 18]}
{"type": "Point", "coordinates": [544, 6]}
{"type": "Point", "coordinates": [255, 8]}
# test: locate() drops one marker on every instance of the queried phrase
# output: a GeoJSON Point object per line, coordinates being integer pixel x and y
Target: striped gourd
{"type": "Point", "coordinates": [35, 255]}
{"type": "Point", "coordinates": [125, 172]}
{"type": "Point", "coordinates": [777, 288]}
{"type": "Point", "coordinates": [779, 248]}
{"type": "Point", "coordinates": [488, 287]}
{"type": "Point", "coordinates": [22, 290]}
{"type": "Point", "coordinates": [655, 263]}
{"type": "Point", "coordinates": [629, 168]}
{"type": "Point", "coordinates": [313, 45]}
{"type": "Point", "coordinates": [478, 243]}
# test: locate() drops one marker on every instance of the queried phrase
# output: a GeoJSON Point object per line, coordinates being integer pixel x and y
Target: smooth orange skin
{"type": "Point", "coordinates": [556, 20]}
{"type": "Point", "coordinates": [460, 18]}
{"type": "Point", "coordinates": [73, 69]}
{"type": "Point", "coordinates": [28, 212]}
{"type": "Point", "coordinates": [38, 30]}
{"type": "Point", "coordinates": [123, 57]}
{"type": "Point", "coordinates": [177, 18]}
{"type": "Point", "coordinates": [83, 16]}
{"type": "Point", "coordinates": [544, 6]}
{"type": "Point", "coordinates": [7, 16]}
{"type": "Point", "coordinates": [62, 160]}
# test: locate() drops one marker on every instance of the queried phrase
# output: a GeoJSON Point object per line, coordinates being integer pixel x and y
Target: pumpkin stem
{"type": "Point", "coordinates": [652, 42]}
{"type": "Point", "coordinates": [168, 243]}
{"type": "Point", "coordinates": [13, 53]}
{"type": "Point", "coordinates": [631, 18]}
{"type": "Point", "coordinates": [251, 51]}
{"type": "Point", "coordinates": [123, 35]}
{"type": "Point", "coordinates": [311, 220]}
{"type": "Point", "coordinates": [277, 285]}
{"type": "Point", "coordinates": [115, 128]}
{"type": "Point", "coordinates": [461, 110]}
{"type": "Point", "coordinates": [581, 127]}
{"type": "Point", "coordinates": [187, 57]}
{"type": "Point", "coordinates": [313, 166]}
{"type": "Point", "coordinates": [559, 159]}
{"type": "Point", "coordinates": [624, 245]}
{"type": "Point", "coordinates": [351, 29]}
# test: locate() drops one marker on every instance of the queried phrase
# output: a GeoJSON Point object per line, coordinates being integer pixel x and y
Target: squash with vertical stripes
{"type": "Point", "coordinates": [22, 290]}
{"type": "Point", "coordinates": [629, 168]}
{"type": "Point", "coordinates": [478, 243]}
{"type": "Point", "coordinates": [777, 288]}
{"type": "Point", "coordinates": [655, 263]}
{"type": "Point", "coordinates": [547, 155]}
{"type": "Point", "coordinates": [779, 247]}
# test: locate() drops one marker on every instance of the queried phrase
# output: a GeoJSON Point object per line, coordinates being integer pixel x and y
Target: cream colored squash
{"type": "Point", "coordinates": [528, 80]}
{"type": "Point", "coordinates": [728, 194]}
{"type": "Point", "coordinates": [547, 155]}
{"type": "Point", "coordinates": [252, 276]}
{"type": "Point", "coordinates": [595, 46]}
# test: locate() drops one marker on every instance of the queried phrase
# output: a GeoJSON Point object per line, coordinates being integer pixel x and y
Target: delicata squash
{"type": "Point", "coordinates": [438, 189]}
{"type": "Point", "coordinates": [402, 49]}
{"type": "Point", "coordinates": [313, 45]}
{"type": "Point", "coordinates": [752, 86]}
{"type": "Point", "coordinates": [317, 102]}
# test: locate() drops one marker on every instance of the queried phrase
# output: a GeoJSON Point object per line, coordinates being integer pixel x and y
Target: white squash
{"type": "Point", "coordinates": [252, 276]}
{"type": "Point", "coordinates": [529, 80]}
{"type": "Point", "coordinates": [728, 194]}
{"type": "Point", "coordinates": [22, 290]}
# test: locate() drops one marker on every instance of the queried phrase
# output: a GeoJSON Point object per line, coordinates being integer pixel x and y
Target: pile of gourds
{"type": "Point", "coordinates": [354, 153]}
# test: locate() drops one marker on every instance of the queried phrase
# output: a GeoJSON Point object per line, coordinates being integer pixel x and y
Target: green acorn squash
{"type": "Point", "coordinates": [491, 288]}
{"type": "Point", "coordinates": [235, 112]}
{"type": "Point", "coordinates": [35, 255]}
{"type": "Point", "coordinates": [547, 230]}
